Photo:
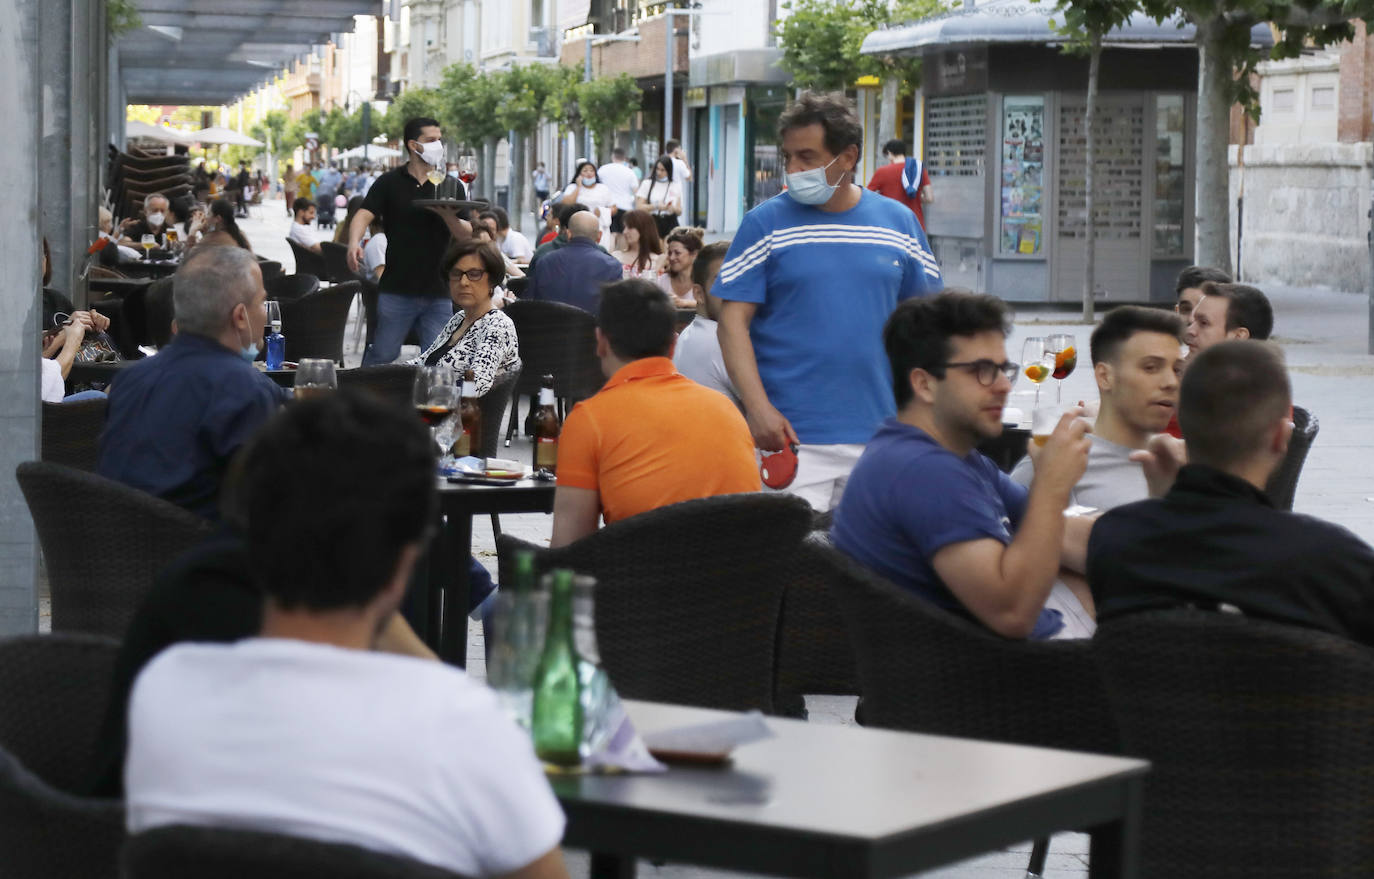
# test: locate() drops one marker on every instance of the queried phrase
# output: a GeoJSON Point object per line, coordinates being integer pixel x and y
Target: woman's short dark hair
{"type": "Point", "coordinates": [317, 540]}
{"type": "Point", "coordinates": [832, 113]}
{"type": "Point", "coordinates": [638, 319]}
{"type": "Point", "coordinates": [690, 237]}
{"type": "Point", "coordinates": [918, 332]}
{"type": "Point", "coordinates": [493, 263]}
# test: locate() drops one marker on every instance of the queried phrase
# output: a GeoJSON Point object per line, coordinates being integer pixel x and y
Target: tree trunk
{"type": "Point", "coordinates": [1090, 181]}
{"type": "Point", "coordinates": [1212, 208]}
{"type": "Point", "coordinates": [519, 177]}
{"type": "Point", "coordinates": [489, 169]}
{"type": "Point", "coordinates": [887, 112]}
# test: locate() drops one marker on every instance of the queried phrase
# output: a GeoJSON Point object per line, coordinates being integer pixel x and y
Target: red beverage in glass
{"type": "Point", "coordinates": [433, 416]}
{"type": "Point", "coordinates": [467, 178]}
{"type": "Point", "coordinates": [1064, 362]}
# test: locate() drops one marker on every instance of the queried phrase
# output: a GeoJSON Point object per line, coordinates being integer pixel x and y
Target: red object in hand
{"type": "Point", "coordinates": [97, 246]}
{"type": "Point", "coordinates": [779, 468]}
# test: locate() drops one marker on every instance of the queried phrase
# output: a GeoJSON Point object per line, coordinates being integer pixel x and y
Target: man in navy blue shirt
{"type": "Point", "coordinates": [176, 419]}
{"type": "Point", "coordinates": [809, 280]}
{"type": "Point", "coordinates": [575, 273]}
{"type": "Point", "coordinates": [931, 514]}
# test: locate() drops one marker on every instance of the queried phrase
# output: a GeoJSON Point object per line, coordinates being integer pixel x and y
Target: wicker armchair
{"type": "Point", "coordinates": [53, 688]}
{"type": "Point", "coordinates": [284, 288]}
{"type": "Point", "coordinates": [924, 669]}
{"type": "Point", "coordinates": [1261, 737]}
{"type": "Point", "coordinates": [493, 404]}
{"type": "Point", "coordinates": [689, 596]}
{"type": "Point", "coordinates": [103, 542]}
{"type": "Point", "coordinates": [308, 262]}
{"type": "Point", "coordinates": [393, 382]}
{"type": "Point", "coordinates": [270, 269]}
{"type": "Point", "coordinates": [314, 325]}
{"type": "Point", "coordinates": [1283, 482]}
{"type": "Point", "coordinates": [71, 433]}
{"type": "Point", "coordinates": [336, 269]}
{"type": "Point", "coordinates": [814, 652]}
{"type": "Point", "coordinates": [181, 852]}
{"type": "Point", "coordinates": [559, 340]}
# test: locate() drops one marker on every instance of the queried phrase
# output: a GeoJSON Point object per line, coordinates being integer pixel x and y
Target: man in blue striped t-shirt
{"type": "Point", "coordinates": [808, 283]}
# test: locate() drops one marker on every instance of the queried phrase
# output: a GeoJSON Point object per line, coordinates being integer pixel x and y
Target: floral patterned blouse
{"type": "Point", "coordinates": [489, 348]}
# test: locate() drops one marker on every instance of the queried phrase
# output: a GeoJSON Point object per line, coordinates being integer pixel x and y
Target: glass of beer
{"type": "Point", "coordinates": [435, 396]}
{"type": "Point", "coordinates": [1043, 421]}
{"type": "Point", "coordinates": [315, 376]}
{"type": "Point", "coordinates": [1033, 356]}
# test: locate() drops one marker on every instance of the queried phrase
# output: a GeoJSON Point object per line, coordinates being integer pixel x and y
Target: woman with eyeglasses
{"type": "Point", "coordinates": [479, 336]}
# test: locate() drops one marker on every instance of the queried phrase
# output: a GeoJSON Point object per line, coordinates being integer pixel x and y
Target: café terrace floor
{"type": "Point", "coordinates": [1323, 334]}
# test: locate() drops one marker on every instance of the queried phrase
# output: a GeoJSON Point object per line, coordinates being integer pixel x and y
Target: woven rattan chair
{"type": "Point", "coordinates": [308, 262]}
{"type": "Point", "coordinates": [71, 432]}
{"type": "Point", "coordinates": [689, 596]}
{"type": "Point", "coordinates": [559, 340]}
{"type": "Point", "coordinates": [814, 653]}
{"type": "Point", "coordinates": [493, 404]}
{"type": "Point", "coordinates": [336, 263]}
{"type": "Point", "coordinates": [183, 852]}
{"type": "Point", "coordinates": [287, 287]}
{"type": "Point", "coordinates": [158, 311]}
{"type": "Point", "coordinates": [1283, 483]}
{"type": "Point", "coordinates": [270, 269]}
{"type": "Point", "coordinates": [314, 325]}
{"type": "Point", "coordinates": [103, 543]}
{"type": "Point", "coordinates": [1261, 737]}
{"type": "Point", "coordinates": [924, 669]}
{"type": "Point", "coordinates": [394, 382]}
{"type": "Point", "coordinates": [53, 689]}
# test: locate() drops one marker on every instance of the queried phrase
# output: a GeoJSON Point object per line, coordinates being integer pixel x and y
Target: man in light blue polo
{"type": "Point", "coordinates": [808, 284]}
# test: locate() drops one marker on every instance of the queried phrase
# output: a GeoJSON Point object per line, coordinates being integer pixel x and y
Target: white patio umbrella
{"type": "Point", "coordinates": [135, 128]}
{"type": "Point", "coordinates": [373, 152]}
{"type": "Point", "coordinates": [223, 137]}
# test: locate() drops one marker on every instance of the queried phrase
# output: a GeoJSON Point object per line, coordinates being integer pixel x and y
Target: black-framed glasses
{"type": "Point", "coordinates": [473, 274]}
{"type": "Point", "coordinates": [986, 371]}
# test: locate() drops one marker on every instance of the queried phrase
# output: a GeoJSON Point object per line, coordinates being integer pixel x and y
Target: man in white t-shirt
{"type": "Point", "coordinates": [697, 355]}
{"type": "Point", "coordinates": [374, 257]}
{"type": "Point", "coordinates": [301, 231]}
{"type": "Point", "coordinates": [305, 731]}
{"type": "Point", "coordinates": [682, 173]}
{"type": "Point", "coordinates": [511, 241]}
{"type": "Point", "coordinates": [620, 179]}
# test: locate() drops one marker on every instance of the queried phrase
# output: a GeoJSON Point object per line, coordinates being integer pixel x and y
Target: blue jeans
{"type": "Point", "coordinates": [83, 395]}
{"type": "Point", "coordinates": [396, 314]}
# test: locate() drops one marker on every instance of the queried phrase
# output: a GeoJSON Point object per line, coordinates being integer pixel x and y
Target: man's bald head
{"type": "Point", "coordinates": [584, 224]}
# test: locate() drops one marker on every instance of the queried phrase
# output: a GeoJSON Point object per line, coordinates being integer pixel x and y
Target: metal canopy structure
{"type": "Point", "coordinates": [1018, 21]}
{"type": "Point", "coordinates": [212, 52]}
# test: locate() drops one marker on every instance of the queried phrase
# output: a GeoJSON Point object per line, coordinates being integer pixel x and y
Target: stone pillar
{"type": "Point", "coordinates": [887, 114]}
{"type": "Point", "coordinates": [19, 311]}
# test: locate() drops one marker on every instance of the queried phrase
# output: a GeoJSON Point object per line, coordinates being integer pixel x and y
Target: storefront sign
{"type": "Point", "coordinates": [955, 72]}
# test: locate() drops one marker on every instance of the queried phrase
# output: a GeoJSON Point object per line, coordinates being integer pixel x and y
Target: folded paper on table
{"type": "Point", "coordinates": [715, 739]}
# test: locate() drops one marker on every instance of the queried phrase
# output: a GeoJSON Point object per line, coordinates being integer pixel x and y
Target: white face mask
{"type": "Point", "coordinates": [453, 172]}
{"type": "Point", "coordinates": [811, 187]}
{"type": "Point", "coordinates": [155, 219]}
{"type": "Point", "coordinates": [432, 152]}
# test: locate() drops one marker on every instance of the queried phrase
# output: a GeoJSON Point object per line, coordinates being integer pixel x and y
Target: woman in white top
{"type": "Point", "coordinates": [479, 336]}
{"type": "Point", "coordinates": [643, 253]}
{"type": "Point", "coordinates": [661, 196]}
{"type": "Point", "coordinates": [588, 189]}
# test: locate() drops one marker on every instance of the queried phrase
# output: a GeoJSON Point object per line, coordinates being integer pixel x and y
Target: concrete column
{"type": "Point", "coordinates": [55, 29]}
{"type": "Point", "coordinates": [887, 113]}
{"type": "Point", "coordinates": [19, 311]}
{"type": "Point", "coordinates": [83, 177]}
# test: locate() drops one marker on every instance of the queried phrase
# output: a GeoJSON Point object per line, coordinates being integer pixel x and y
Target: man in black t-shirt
{"type": "Point", "coordinates": [153, 222]}
{"type": "Point", "coordinates": [1214, 540]}
{"type": "Point", "coordinates": [413, 292]}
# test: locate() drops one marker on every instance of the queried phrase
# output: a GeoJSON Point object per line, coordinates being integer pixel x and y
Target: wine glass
{"type": "Point", "coordinates": [1036, 369]}
{"type": "Point", "coordinates": [467, 169]}
{"type": "Point", "coordinates": [435, 175]}
{"type": "Point", "coordinates": [149, 241]}
{"type": "Point", "coordinates": [435, 397]}
{"type": "Point", "coordinates": [1063, 349]}
{"type": "Point", "coordinates": [314, 377]}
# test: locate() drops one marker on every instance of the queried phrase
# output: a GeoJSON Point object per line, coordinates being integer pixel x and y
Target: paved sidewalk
{"type": "Point", "coordinates": [1323, 335]}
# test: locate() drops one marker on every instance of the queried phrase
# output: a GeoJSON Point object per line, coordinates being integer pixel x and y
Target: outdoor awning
{"type": "Point", "coordinates": [1019, 21]}
{"type": "Point", "coordinates": [223, 137]}
{"type": "Point", "coordinates": [212, 52]}
{"type": "Point", "coordinates": [134, 128]}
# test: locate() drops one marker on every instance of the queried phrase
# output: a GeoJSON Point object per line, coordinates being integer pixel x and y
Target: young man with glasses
{"type": "Point", "coordinates": [930, 513]}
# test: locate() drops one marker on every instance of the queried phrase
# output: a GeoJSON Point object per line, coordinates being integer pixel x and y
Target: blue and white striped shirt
{"type": "Point", "coordinates": [825, 284]}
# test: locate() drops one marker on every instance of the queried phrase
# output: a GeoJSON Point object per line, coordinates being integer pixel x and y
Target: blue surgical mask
{"type": "Point", "coordinates": [250, 353]}
{"type": "Point", "coordinates": [811, 187]}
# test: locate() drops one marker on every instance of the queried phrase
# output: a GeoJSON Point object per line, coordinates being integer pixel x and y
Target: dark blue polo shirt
{"type": "Point", "coordinates": [574, 274]}
{"type": "Point", "coordinates": [176, 419]}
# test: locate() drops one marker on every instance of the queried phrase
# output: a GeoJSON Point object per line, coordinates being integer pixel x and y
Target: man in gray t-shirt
{"type": "Point", "coordinates": [1137, 361]}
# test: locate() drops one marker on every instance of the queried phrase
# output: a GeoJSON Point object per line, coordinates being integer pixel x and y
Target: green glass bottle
{"type": "Point", "coordinates": [557, 715]}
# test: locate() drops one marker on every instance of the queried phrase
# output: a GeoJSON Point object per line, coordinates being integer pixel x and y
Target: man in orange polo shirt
{"type": "Point", "coordinates": [651, 436]}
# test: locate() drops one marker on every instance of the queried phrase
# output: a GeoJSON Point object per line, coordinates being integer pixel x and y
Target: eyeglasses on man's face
{"type": "Point", "coordinates": [986, 371]}
{"type": "Point", "coordinates": [471, 274]}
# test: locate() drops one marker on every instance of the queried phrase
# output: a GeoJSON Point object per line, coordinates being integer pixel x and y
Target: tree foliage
{"type": "Point", "coordinates": [407, 105]}
{"type": "Point", "coordinates": [821, 41]}
{"type": "Point", "coordinates": [607, 104]}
